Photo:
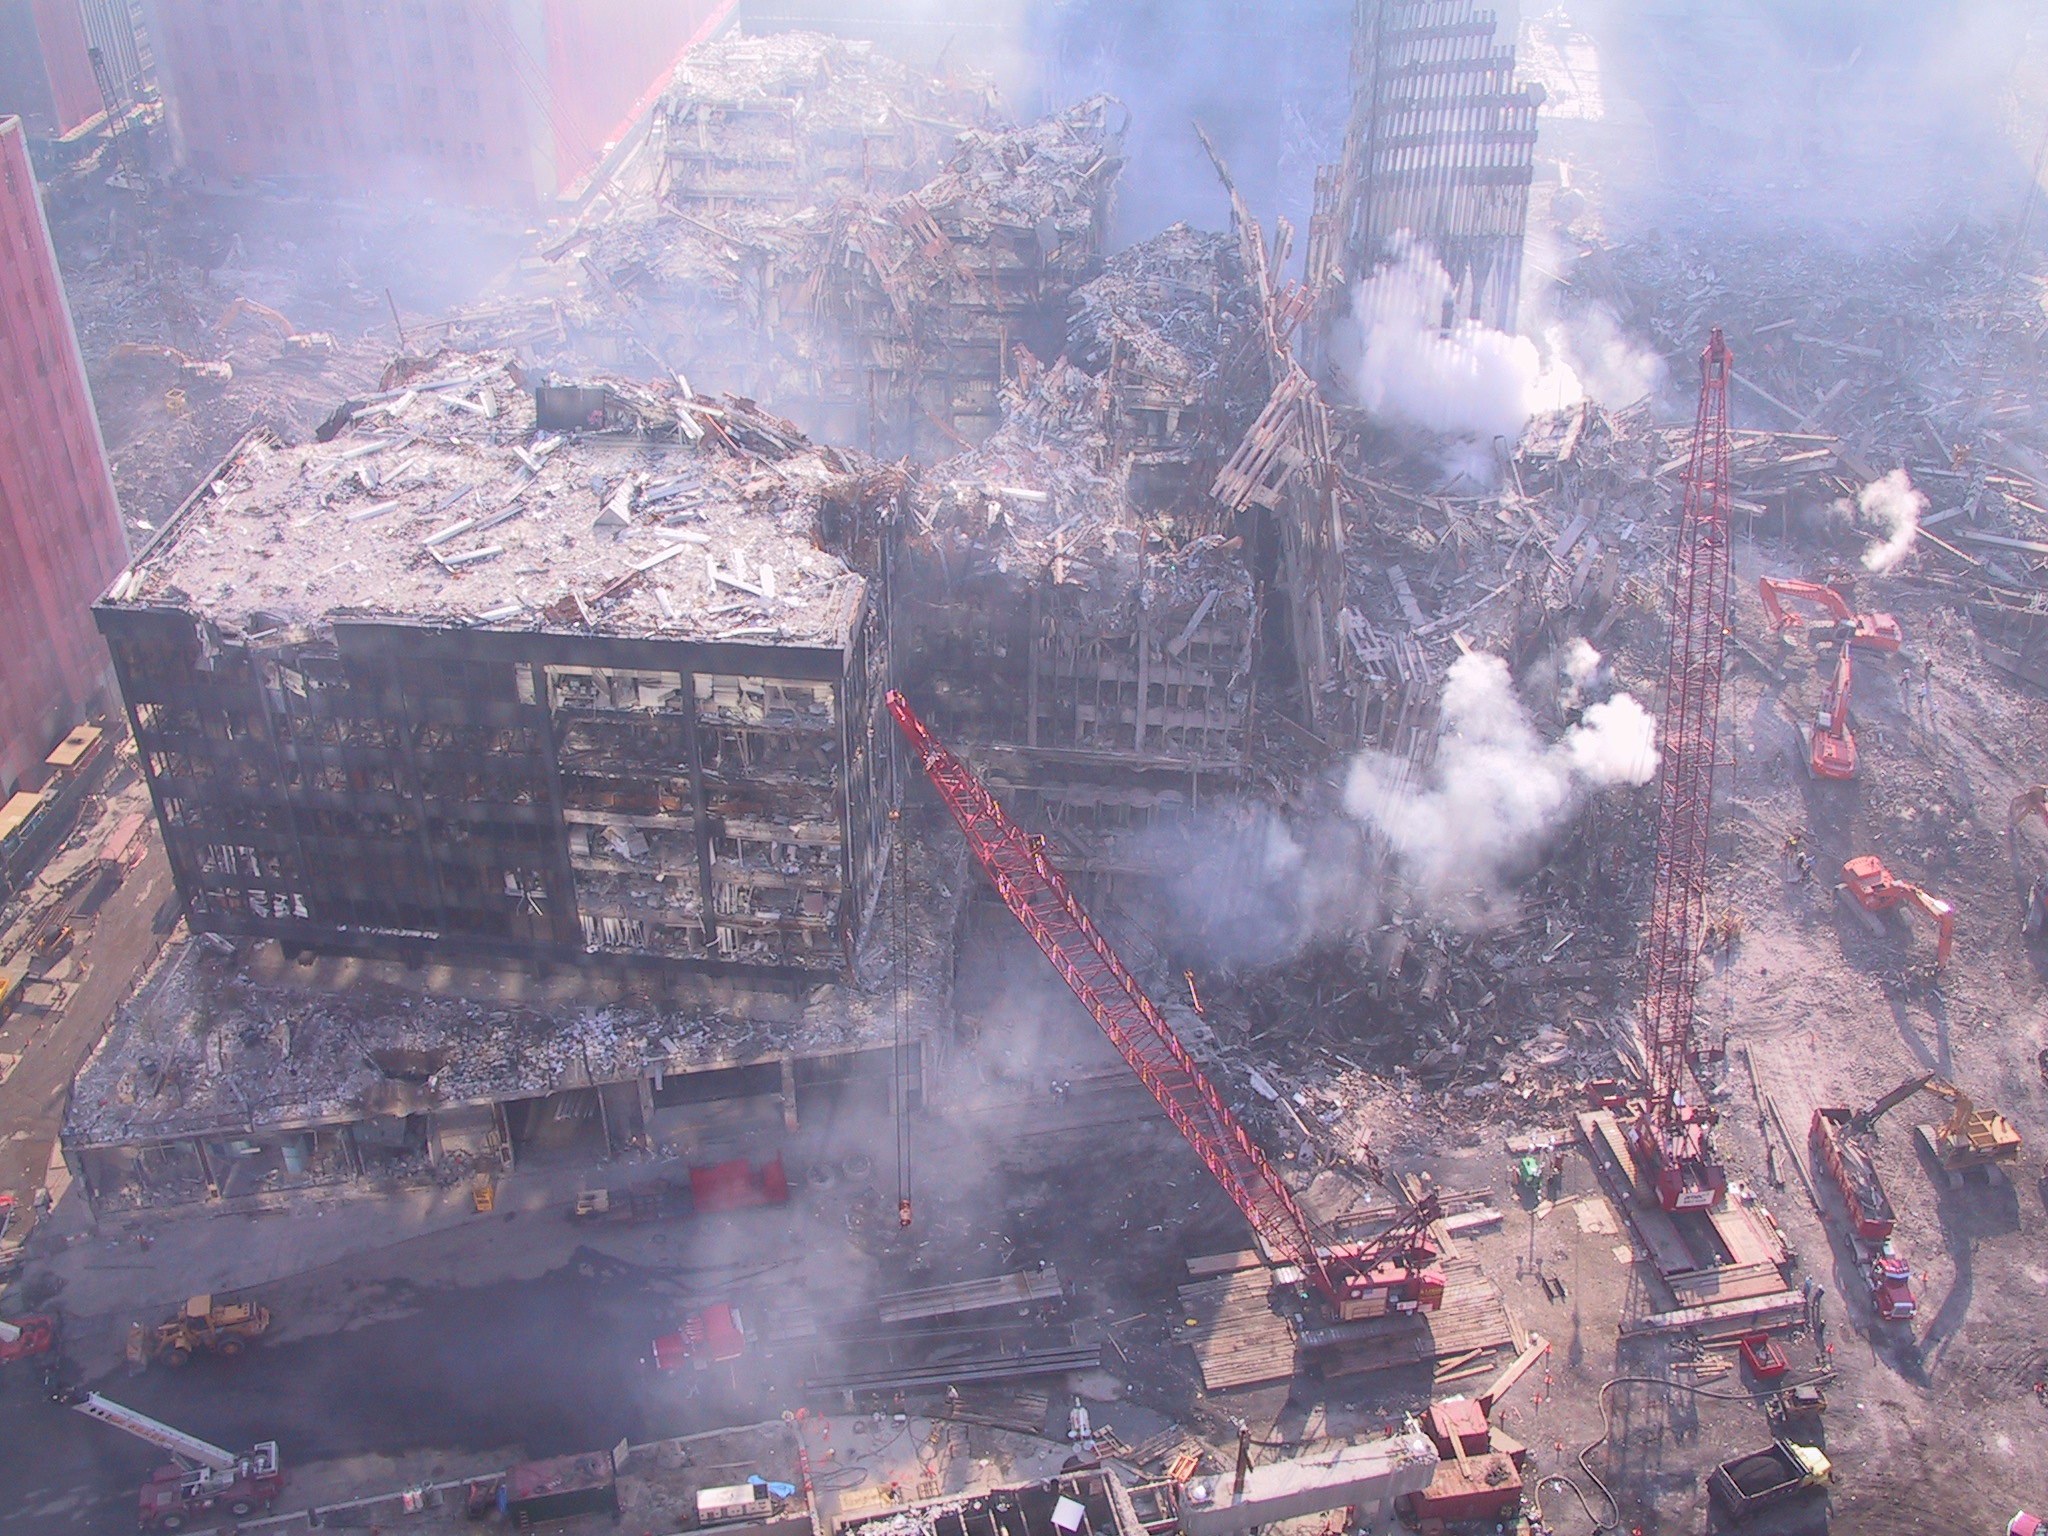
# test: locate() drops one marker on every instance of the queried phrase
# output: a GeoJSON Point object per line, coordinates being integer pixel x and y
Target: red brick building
{"type": "Point", "coordinates": [60, 531]}
{"type": "Point", "coordinates": [505, 103]}
{"type": "Point", "coordinates": [45, 73]}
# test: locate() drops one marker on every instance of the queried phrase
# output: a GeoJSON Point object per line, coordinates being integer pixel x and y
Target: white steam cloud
{"type": "Point", "coordinates": [1610, 367]}
{"type": "Point", "coordinates": [1498, 793]}
{"type": "Point", "coordinates": [1891, 508]}
{"type": "Point", "coordinates": [1421, 366]}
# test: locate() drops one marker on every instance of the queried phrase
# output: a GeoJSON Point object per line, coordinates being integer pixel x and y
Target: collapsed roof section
{"type": "Point", "coordinates": [204, 1047]}
{"type": "Point", "coordinates": [1169, 328]}
{"type": "Point", "coordinates": [461, 495]}
{"type": "Point", "coordinates": [1092, 658]}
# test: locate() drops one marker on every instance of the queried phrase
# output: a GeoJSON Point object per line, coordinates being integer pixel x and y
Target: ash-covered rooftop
{"type": "Point", "coordinates": [446, 499]}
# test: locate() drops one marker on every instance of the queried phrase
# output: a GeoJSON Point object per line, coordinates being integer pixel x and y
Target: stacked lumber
{"type": "Point", "coordinates": [1237, 1338]}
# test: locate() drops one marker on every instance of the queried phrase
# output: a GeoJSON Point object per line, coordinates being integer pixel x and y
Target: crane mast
{"type": "Point", "coordinates": [1393, 1272]}
{"type": "Point", "coordinates": [1670, 1136]}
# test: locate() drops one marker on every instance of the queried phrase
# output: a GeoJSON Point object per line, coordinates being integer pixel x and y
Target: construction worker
{"type": "Point", "coordinates": [1798, 860]}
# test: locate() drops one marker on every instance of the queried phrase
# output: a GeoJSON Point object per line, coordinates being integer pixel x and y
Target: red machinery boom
{"type": "Point", "coordinates": [1389, 1274]}
{"type": "Point", "coordinates": [1671, 1134]}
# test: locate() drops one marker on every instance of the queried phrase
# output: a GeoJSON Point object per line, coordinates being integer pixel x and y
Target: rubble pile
{"type": "Point", "coordinates": [890, 319]}
{"type": "Point", "coordinates": [1916, 352]}
{"type": "Point", "coordinates": [791, 119]}
{"type": "Point", "coordinates": [203, 1047]}
{"type": "Point", "coordinates": [1171, 328]}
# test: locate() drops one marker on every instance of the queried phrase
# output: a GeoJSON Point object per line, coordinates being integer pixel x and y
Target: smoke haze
{"type": "Point", "coordinates": [1459, 379]}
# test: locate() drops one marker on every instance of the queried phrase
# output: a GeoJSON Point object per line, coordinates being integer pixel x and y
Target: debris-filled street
{"type": "Point", "coordinates": [800, 773]}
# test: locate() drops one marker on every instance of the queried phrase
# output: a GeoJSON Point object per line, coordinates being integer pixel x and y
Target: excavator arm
{"type": "Point", "coordinates": [1944, 916]}
{"type": "Point", "coordinates": [1874, 631]}
{"type": "Point", "coordinates": [2029, 802]}
{"type": "Point", "coordinates": [248, 306]}
{"type": "Point", "coordinates": [1891, 1101]}
{"type": "Point", "coordinates": [1831, 748]}
{"type": "Point", "coordinates": [1775, 589]}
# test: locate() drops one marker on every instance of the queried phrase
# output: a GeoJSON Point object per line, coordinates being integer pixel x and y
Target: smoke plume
{"type": "Point", "coordinates": [1420, 365]}
{"type": "Point", "coordinates": [1889, 508]}
{"type": "Point", "coordinates": [1498, 793]}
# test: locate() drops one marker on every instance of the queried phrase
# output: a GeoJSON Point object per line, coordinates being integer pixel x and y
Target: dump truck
{"type": "Point", "coordinates": [1849, 1163]}
{"type": "Point", "coordinates": [1748, 1484]}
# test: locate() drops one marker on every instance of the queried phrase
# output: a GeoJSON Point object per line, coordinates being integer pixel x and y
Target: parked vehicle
{"type": "Point", "coordinates": [1748, 1484]}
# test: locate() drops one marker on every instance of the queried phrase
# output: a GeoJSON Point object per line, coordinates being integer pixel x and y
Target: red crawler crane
{"type": "Point", "coordinates": [1395, 1272]}
{"type": "Point", "coordinates": [1670, 1136]}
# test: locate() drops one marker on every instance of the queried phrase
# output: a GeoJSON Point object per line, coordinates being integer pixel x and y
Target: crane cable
{"type": "Point", "coordinates": [899, 944]}
{"type": "Point", "coordinates": [1607, 1428]}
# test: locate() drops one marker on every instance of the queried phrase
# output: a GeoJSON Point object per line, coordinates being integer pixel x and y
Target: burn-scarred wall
{"type": "Point", "coordinates": [60, 531]}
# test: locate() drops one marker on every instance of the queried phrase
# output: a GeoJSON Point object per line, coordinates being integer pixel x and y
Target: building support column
{"type": "Point", "coordinates": [788, 1065]}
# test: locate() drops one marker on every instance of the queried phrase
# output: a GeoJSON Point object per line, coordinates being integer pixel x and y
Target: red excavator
{"type": "Point", "coordinates": [1831, 745]}
{"type": "Point", "coordinates": [1875, 889]}
{"type": "Point", "coordinates": [1875, 631]}
{"type": "Point", "coordinates": [24, 1337]}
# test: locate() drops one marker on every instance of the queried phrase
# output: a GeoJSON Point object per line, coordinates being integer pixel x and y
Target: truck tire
{"type": "Point", "coordinates": [176, 1357]}
{"type": "Point", "coordinates": [171, 1522]}
{"type": "Point", "coordinates": [242, 1507]}
{"type": "Point", "coordinates": [230, 1347]}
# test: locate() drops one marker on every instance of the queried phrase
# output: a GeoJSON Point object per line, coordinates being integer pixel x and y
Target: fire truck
{"type": "Point", "coordinates": [203, 1479]}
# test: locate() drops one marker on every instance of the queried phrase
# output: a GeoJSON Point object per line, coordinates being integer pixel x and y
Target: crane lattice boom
{"type": "Point", "coordinates": [1039, 897]}
{"type": "Point", "coordinates": [1671, 1133]}
{"type": "Point", "coordinates": [1392, 1272]}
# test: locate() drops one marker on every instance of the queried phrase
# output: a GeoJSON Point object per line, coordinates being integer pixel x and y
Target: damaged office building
{"type": "Point", "coordinates": [871, 315]}
{"type": "Point", "coordinates": [462, 677]}
{"type": "Point", "coordinates": [587, 677]}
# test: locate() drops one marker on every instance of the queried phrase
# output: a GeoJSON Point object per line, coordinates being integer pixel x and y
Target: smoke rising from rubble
{"type": "Point", "coordinates": [1498, 794]}
{"type": "Point", "coordinates": [1417, 365]}
{"type": "Point", "coordinates": [1418, 368]}
{"type": "Point", "coordinates": [1891, 509]}
{"type": "Point", "coordinates": [1255, 887]}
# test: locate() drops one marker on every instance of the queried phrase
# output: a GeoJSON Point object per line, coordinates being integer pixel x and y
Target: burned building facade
{"type": "Point", "coordinates": [454, 681]}
{"type": "Point", "coordinates": [1439, 149]}
{"type": "Point", "coordinates": [776, 124]}
{"type": "Point", "coordinates": [888, 319]}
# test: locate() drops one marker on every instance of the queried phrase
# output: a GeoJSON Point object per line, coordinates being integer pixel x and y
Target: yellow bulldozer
{"type": "Point", "coordinates": [202, 1325]}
